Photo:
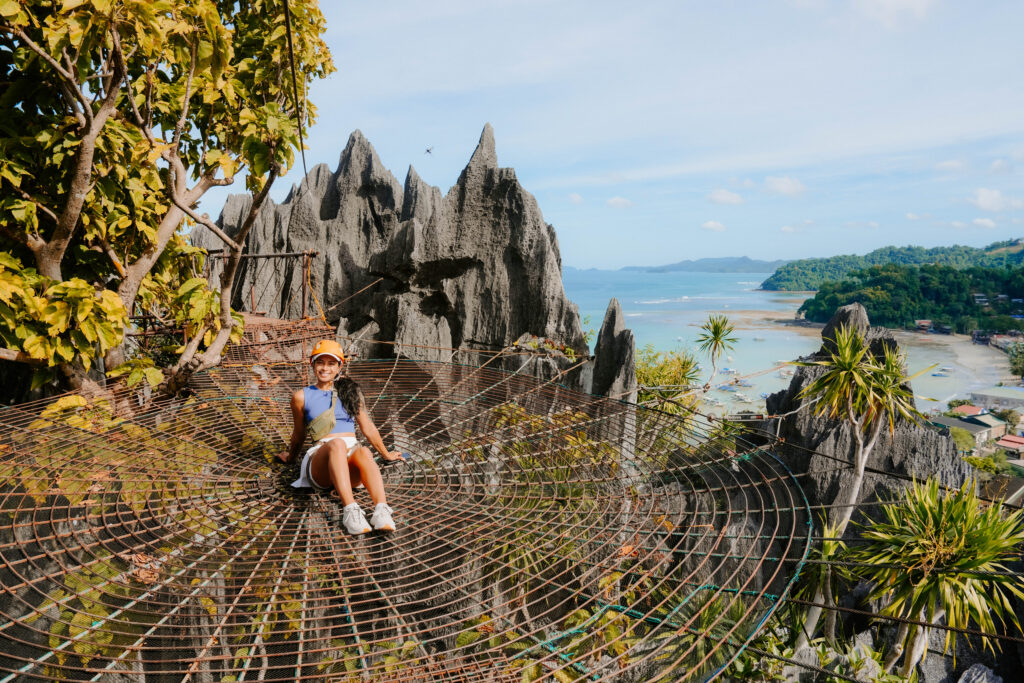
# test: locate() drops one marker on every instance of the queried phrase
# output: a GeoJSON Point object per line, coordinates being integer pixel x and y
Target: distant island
{"type": "Point", "coordinates": [726, 264]}
{"type": "Point", "coordinates": [810, 274]}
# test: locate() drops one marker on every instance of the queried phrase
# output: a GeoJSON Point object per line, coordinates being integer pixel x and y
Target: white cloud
{"type": "Point", "coordinates": [575, 198]}
{"type": "Point", "coordinates": [861, 224]}
{"type": "Point", "coordinates": [791, 187]}
{"type": "Point", "coordinates": [993, 200]}
{"type": "Point", "coordinates": [984, 223]}
{"type": "Point", "coordinates": [787, 228]}
{"type": "Point", "coordinates": [913, 216]}
{"type": "Point", "coordinates": [891, 13]}
{"type": "Point", "coordinates": [958, 224]}
{"type": "Point", "coordinates": [1000, 166]}
{"type": "Point", "coordinates": [723, 196]}
{"type": "Point", "coordinates": [950, 165]}
{"type": "Point", "coordinates": [713, 226]}
{"type": "Point", "coordinates": [619, 203]}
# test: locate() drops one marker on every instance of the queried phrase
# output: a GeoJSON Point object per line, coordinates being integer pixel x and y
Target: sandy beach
{"type": "Point", "coordinates": [974, 366]}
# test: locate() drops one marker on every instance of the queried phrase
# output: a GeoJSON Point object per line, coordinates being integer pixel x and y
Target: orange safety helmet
{"type": "Point", "coordinates": [327, 347]}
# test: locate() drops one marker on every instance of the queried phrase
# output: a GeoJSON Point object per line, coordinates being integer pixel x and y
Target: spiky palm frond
{"type": "Point", "coordinates": [943, 552]}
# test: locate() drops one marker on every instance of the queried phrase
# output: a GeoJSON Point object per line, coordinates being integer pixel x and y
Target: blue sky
{"type": "Point", "coordinates": [683, 129]}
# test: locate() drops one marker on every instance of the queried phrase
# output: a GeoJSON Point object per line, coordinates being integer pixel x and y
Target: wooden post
{"type": "Point", "coordinates": [305, 280]}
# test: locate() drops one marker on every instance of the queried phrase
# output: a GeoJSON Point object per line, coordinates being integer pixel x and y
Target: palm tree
{"type": "Point", "coordinates": [714, 339]}
{"type": "Point", "coordinates": [867, 393]}
{"type": "Point", "coordinates": [941, 555]}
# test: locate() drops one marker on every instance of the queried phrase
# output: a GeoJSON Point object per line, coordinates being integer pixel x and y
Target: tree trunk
{"type": "Point", "coordinates": [897, 648]}
{"type": "Point", "coordinates": [830, 615]}
{"type": "Point", "coordinates": [803, 639]}
{"type": "Point", "coordinates": [919, 644]}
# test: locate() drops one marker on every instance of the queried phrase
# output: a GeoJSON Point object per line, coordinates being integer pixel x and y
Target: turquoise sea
{"type": "Point", "coordinates": [666, 310]}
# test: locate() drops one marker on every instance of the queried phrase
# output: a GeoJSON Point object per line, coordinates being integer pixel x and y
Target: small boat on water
{"type": "Point", "coordinates": [940, 374]}
{"type": "Point", "coordinates": [743, 383]}
{"type": "Point", "coordinates": [726, 387]}
{"type": "Point", "coordinates": [759, 339]}
{"type": "Point", "coordinates": [786, 372]}
{"type": "Point", "coordinates": [742, 398]}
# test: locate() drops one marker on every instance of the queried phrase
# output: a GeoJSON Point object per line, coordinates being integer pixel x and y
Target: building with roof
{"type": "Point", "coordinates": [996, 426]}
{"type": "Point", "coordinates": [999, 398]}
{"type": "Point", "coordinates": [1013, 445]}
{"type": "Point", "coordinates": [980, 433]}
{"type": "Point", "coordinates": [968, 410]}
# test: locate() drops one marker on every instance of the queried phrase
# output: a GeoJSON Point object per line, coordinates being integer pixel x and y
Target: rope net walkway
{"type": "Point", "coordinates": [542, 534]}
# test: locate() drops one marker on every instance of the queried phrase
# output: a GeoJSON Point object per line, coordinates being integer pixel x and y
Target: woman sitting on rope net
{"type": "Point", "coordinates": [329, 411]}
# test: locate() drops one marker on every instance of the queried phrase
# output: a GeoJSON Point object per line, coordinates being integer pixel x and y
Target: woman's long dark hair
{"type": "Point", "coordinates": [349, 394]}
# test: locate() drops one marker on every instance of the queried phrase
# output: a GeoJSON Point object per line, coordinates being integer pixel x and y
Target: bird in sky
{"type": "Point", "coordinates": [428, 150]}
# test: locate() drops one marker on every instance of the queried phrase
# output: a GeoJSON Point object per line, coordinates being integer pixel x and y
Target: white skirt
{"type": "Point", "coordinates": [305, 479]}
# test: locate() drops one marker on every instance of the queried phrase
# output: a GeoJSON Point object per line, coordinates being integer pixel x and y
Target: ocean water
{"type": "Point", "coordinates": [666, 310]}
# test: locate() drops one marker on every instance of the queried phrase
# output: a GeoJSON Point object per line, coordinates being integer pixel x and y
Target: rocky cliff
{"type": "Point", "coordinates": [817, 448]}
{"type": "Point", "coordinates": [404, 271]}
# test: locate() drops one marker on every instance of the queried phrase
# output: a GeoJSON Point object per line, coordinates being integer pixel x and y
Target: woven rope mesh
{"type": "Point", "coordinates": [541, 533]}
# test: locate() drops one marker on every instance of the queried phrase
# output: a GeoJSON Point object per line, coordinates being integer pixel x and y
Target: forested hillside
{"type": "Point", "coordinates": [808, 274]}
{"type": "Point", "coordinates": [895, 296]}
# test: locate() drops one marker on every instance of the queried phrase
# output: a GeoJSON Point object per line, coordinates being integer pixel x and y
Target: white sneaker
{"type": "Point", "coordinates": [354, 520]}
{"type": "Point", "coordinates": [381, 518]}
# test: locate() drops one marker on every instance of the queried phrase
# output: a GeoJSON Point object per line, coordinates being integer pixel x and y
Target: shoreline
{"type": "Point", "coordinates": [975, 366]}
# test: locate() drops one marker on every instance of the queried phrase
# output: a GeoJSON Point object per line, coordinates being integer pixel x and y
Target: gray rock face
{"type": "Point", "coordinates": [817, 448]}
{"type": "Point", "coordinates": [614, 364]}
{"type": "Point", "coordinates": [979, 673]}
{"type": "Point", "coordinates": [409, 272]}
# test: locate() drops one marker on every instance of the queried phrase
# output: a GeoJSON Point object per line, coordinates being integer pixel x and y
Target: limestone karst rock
{"type": "Point", "coordinates": [816, 448]}
{"type": "Point", "coordinates": [408, 272]}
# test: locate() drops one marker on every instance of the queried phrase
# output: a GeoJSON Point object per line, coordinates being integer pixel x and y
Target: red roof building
{"type": "Point", "coordinates": [968, 410]}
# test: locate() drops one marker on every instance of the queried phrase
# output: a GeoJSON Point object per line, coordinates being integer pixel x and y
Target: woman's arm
{"type": "Point", "coordinates": [298, 429]}
{"type": "Point", "coordinates": [369, 430]}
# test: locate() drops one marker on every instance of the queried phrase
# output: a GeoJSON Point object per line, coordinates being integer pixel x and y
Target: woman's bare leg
{"type": "Point", "coordinates": [362, 461]}
{"type": "Point", "coordinates": [331, 462]}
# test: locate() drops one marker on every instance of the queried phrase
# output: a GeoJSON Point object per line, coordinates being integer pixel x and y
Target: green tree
{"type": "Point", "coordinates": [1016, 353]}
{"type": "Point", "coordinates": [715, 338]}
{"type": "Point", "coordinates": [963, 439]}
{"type": "Point", "coordinates": [941, 555]}
{"type": "Point", "coordinates": [868, 394]}
{"type": "Point", "coordinates": [1009, 416]}
{"type": "Point", "coordinates": [666, 378]}
{"type": "Point", "coordinates": [118, 116]}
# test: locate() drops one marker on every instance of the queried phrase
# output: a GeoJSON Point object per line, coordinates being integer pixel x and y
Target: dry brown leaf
{"type": "Point", "coordinates": [146, 576]}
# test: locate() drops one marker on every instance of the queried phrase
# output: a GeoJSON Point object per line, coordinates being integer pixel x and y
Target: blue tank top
{"type": "Point", "coordinates": [317, 401]}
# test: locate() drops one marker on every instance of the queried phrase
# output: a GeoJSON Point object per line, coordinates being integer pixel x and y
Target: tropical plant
{"type": "Point", "coordinates": [962, 438]}
{"type": "Point", "coordinates": [118, 116]}
{"type": "Point", "coordinates": [868, 394]}
{"type": "Point", "coordinates": [665, 379]}
{"type": "Point", "coordinates": [940, 555]}
{"type": "Point", "coordinates": [715, 338]}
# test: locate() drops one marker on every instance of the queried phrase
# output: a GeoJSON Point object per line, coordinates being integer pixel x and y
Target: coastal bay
{"type": "Point", "coordinates": [665, 310]}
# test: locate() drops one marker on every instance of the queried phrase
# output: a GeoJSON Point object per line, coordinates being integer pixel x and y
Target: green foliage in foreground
{"type": "Point", "coordinates": [942, 554]}
{"type": "Point", "coordinates": [896, 296]}
{"type": "Point", "coordinates": [809, 274]}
